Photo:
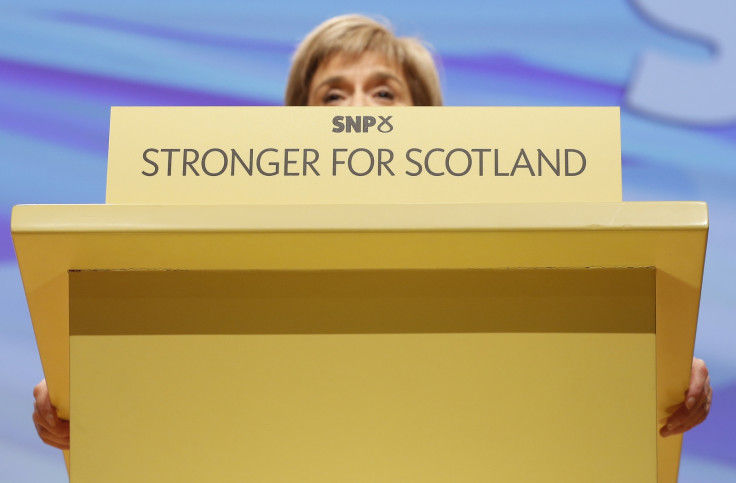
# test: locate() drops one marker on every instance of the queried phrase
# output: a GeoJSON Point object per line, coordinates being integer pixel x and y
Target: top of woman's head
{"type": "Point", "coordinates": [352, 36]}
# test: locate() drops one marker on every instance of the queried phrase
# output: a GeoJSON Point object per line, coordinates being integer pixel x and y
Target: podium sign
{"type": "Point", "coordinates": [267, 155]}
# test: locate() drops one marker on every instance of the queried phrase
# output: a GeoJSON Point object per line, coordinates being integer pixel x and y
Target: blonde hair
{"type": "Point", "coordinates": [353, 35]}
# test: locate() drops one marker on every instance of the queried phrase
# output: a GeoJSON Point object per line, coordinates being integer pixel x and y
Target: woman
{"type": "Point", "coordinates": [355, 61]}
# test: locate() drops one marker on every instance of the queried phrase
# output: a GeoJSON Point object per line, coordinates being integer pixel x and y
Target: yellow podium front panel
{"type": "Point", "coordinates": [367, 343]}
{"type": "Point", "coordinates": [391, 375]}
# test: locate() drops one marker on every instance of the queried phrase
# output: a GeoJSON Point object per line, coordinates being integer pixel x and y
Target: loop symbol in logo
{"type": "Point", "coordinates": [385, 122]}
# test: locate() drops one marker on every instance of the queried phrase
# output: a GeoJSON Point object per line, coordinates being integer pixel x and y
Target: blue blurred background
{"type": "Point", "coordinates": [669, 64]}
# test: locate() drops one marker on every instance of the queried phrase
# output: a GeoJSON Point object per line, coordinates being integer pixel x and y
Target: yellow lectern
{"type": "Point", "coordinates": [366, 342]}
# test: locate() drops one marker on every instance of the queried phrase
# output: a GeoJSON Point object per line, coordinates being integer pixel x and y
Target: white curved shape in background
{"type": "Point", "coordinates": [688, 90]}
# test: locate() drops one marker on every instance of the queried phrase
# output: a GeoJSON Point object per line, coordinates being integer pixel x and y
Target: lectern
{"type": "Point", "coordinates": [320, 342]}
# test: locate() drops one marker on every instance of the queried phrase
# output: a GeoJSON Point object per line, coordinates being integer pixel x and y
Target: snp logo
{"type": "Point", "coordinates": [361, 123]}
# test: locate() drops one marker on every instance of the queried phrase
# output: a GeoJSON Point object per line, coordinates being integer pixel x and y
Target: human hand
{"type": "Point", "coordinates": [51, 429]}
{"type": "Point", "coordinates": [696, 406]}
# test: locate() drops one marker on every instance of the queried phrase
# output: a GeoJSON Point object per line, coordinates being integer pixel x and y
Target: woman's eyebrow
{"type": "Point", "coordinates": [376, 76]}
{"type": "Point", "coordinates": [337, 79]}
{"type": "Point", "coordinates": [382, 76]}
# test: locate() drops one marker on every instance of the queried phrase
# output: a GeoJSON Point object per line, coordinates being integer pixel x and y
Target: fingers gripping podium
{"type": "Point", "coordinates": [365, 328]}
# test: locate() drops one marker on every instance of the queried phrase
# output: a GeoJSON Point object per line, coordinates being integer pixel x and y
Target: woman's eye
{"type": "Point", "coordinates": [385, 94]}
{"type": "Point", "coordinates": [331, 97]}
